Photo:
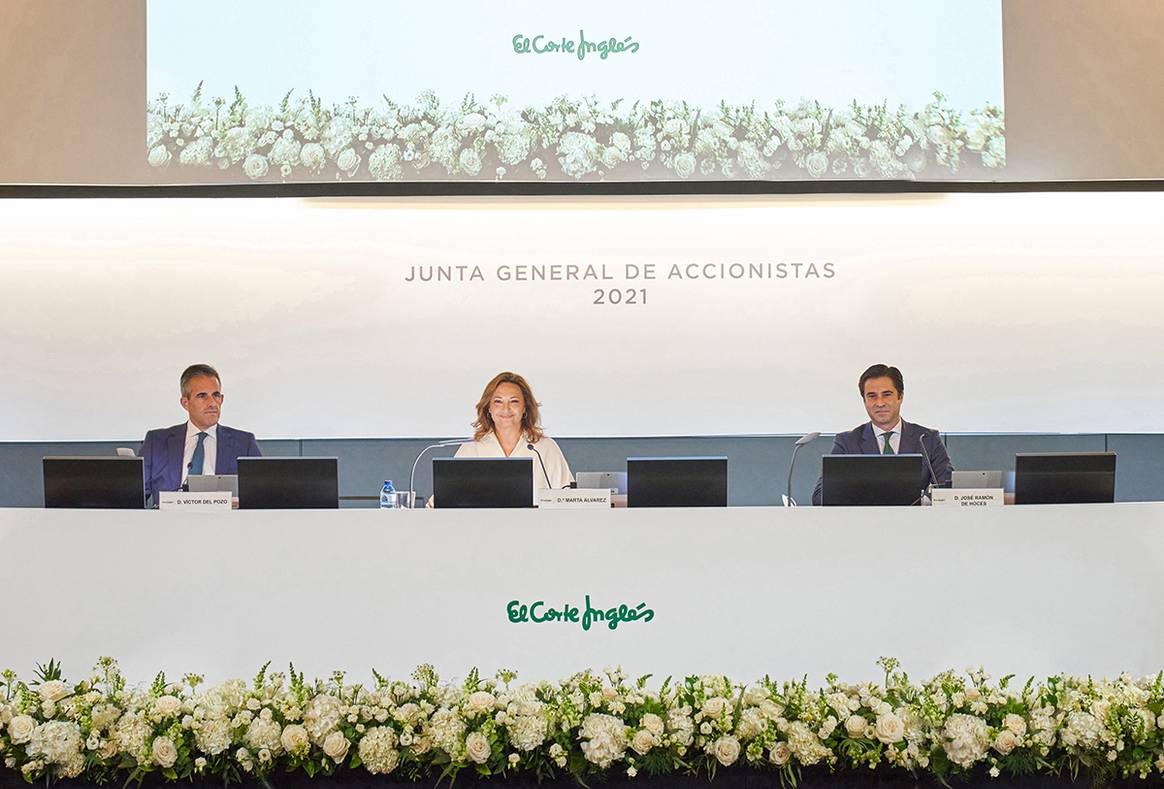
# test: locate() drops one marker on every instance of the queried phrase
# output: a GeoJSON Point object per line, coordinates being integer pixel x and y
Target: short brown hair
{"type": "Point", "coordinates": [882, 371]}
{"type": "Point", "coordinates": [193, 371]}
{"type": "Point", "coordinates": [531, 422]}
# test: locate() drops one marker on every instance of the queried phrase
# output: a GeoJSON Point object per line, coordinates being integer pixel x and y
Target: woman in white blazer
{"type": "Point", "coordinates": [507, 424]}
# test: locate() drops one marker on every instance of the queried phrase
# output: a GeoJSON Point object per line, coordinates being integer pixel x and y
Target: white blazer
{"type": "Point", "coordinates": [557, 469]}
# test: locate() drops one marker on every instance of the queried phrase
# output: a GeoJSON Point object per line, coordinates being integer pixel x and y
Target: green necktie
{"type": "Point", "coordinates": [888, 448]}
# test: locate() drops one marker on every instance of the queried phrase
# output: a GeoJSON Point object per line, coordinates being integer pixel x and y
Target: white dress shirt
{"type": "Point", "coordinates": [209, 448]}
{"type": "Point", "coordinates": [894, 440]}
{"type": "Point", "coordinates": [557, 469]}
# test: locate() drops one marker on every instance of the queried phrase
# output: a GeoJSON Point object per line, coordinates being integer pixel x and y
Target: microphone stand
{"type": "Point", "coordinates": [451, 442]}
{"type": "Point", "coordinates": [802, 441]}
{"type": "Point", "coordinates": [928, 493]}
{"type": "Point", "coordinates": [545, 473]}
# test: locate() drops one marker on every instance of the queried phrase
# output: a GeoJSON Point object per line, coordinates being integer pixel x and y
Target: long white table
{"type": "Point", "coordinates": [742, 591]}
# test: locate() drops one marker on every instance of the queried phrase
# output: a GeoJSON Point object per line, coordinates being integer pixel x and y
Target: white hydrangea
{"type": "Point", "coordinates": [604, 739]}
{"type": "Point", "coordinates": [965, 739]}
{"type": "Point", "coordinates": [212, 736]}
{"type": "Point", "coordinates": [805, 745]}
{"type": "Point", "coordinates": [578, 154]}
{"type": "Point", "coordinates": [132, 734]}
{"type": "Point", "coordinates": [377, 750]}
{"type": "Point", "coordinates": [384, 163]}
{"type": "Point", "coordinates": [264, 733]}
{"type": "Point", "coordinates": [322, 716]}
{"type": "Point", "coordinates": [59, 743]}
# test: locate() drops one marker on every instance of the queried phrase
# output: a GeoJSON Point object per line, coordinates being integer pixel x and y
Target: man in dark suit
{"type": "Point", "coordinates": [886, 433]}
{"type": "Point", "coordinates": [199, 445]}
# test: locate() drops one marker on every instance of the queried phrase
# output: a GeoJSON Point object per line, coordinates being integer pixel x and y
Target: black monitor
{"type": "Point", "coordinates": [871, 480]}
{"type": "Point", "coordinates": [288, 483]}
{"type": "Point", "coordinates": [108, 483]}
{"type": "Point", "coordinates": [1064, 478]}
{"type": "Point", "coordinates": [676, 482]}
{"type": "Point", "coordinates": [477, 483]}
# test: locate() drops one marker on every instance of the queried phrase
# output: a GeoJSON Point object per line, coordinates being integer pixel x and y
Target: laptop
{"type": "Point", "coordinates": [676, 482]}
{"type": "Point", "coordinates": [614, 481]}
{"type": "Point", "coordinates": [978, 479]}
{"type": "Point", "coordinates": [482, 483]}
{"type": "Point", "coordinates": [112, 483]}
{"type": "Point", "coordinates": [213, 483]}
{"type": "Point", "coordinates": [293, 483]}
{"type": "Point", "coordinates": [871, 480]}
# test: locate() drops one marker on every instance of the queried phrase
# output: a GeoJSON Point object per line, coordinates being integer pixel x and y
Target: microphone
{"type": "Point", "coordinates": [539, 454]}
{"type": "Point", "coordinates": [450, 442]}
{"type": "Point", "coordinates": [802, 441]}
{"type": "Point", "coordinates": [933, 476]}
{"type": "Point", "coordinates": [185, 486]}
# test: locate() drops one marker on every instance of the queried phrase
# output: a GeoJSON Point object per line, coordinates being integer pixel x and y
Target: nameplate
{"type": "Point", "coordinates": [575, 499]}
{"type": "Point", "coordinates": [178, 500]}
{"type": "Point", "coordinates": [967, 497]}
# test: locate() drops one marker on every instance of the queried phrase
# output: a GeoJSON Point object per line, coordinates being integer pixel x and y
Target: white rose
{"type": "Point", "coordinates": [1016, 724]}
{"type": "Point", "coordinates": [727, 750]}
{"type": "Point", "coordinates": [20, 729]}
{"type": "Point", "coordinates": [348, 161]}
{"type": "Point", "coordinates": [642, 742]}
{"type": "Point", "coordinates": [312, 156]}
{"type": "Point", "coordinates": [653, 723]}
{"type": "Point", "coordinates": [481, 701]}
{"type": "Point", "coordinates": [780, 754]}
{"type": "Point", "coordinates": [336, 746]}
{"type": "Point", "coordinates": [1005, 742]}
{"type": "Point", "coordinates": [890, 728]}
{"type": "Point", "coordinates": [165, 752]}
{"type": "Point", "coordinates": [295, 740]}
{"type": "Point", "coordinates": [166, 706]}
{"type": "Point", "coordinates": [713, 707]}
{"type": "Point", "coordinates": [855, 726]}
{"type": "Point", "coordinates": [53, 690]}
{"type": "Point", "coordinates": [684, 165]}
{"type": "Point", "coordinates": [477, 747]}
{"type": "Point", "coordinates": [255, 166]}
{"type": "Point", "coordinates": [816, 163]}
{"type": "Point", "coordinates": [159, 155]}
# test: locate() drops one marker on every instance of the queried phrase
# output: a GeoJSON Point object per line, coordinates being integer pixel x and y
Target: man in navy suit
{"type": "Point", "coordinates": [886, 433]}
{"type": "Point", "coordinates": [199, 445]}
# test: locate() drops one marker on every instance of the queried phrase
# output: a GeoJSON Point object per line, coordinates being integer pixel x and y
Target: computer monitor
{"type": "Point", "coordinates": [1064, 478]}
{"type": "Point", "coordinates": [113, 483]}
{"type": "Point", "coordinates": [676, 482]}
{"type": "Point", "coordinates": [482, 483]}
{"type": "Point", "coordinates": [871, 480]}
{"type": "Point", "coordinates": [288, 483]}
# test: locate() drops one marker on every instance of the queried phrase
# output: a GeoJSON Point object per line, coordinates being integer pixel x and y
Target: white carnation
{"type": "Point", "coordinates": [295, 740]}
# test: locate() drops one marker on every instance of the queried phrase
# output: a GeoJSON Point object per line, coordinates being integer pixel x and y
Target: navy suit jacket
{"type": "Point", "coordinates": [861, 441]}
{"type": "Point", "coordinates": [162, 452]}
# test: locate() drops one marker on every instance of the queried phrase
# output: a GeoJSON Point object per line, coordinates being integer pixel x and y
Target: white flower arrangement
{"type": "Point", "coordinates": [590, 724]}
{"type": "Point", "coordinates": [584, 139]}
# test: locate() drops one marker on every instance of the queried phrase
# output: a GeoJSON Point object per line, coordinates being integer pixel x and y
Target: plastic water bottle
{"type": "Point", "coordinates": [388, 496]}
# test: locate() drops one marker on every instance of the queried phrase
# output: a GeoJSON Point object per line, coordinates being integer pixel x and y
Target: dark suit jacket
{"type": "Point", "coordinates": [861, 441]}
{"type": "Point", "coordinates": [162, 452]}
